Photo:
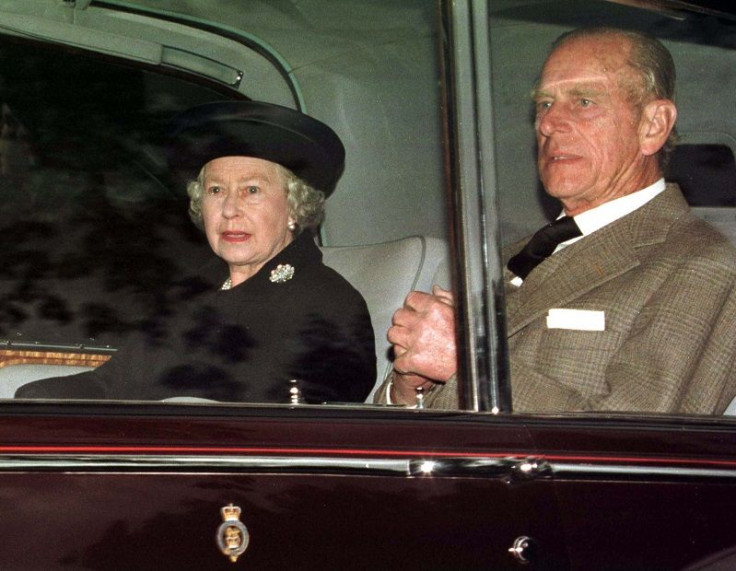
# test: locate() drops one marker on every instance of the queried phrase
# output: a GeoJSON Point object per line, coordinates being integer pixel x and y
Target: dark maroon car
{"type": "Point", "coordinates": [432, 102]}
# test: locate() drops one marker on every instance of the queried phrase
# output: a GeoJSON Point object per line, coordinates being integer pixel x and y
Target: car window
{"type": "Point", "coordinates": [98, 240]}
{"type": "Point", "coordinates": [440, 178]}
{"type": "Point", "coordinates": [590, 366]}
{"type": "Point", "coordinates": [92, 226]}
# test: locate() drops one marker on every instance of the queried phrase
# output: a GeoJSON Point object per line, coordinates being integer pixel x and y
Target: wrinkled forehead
{"type": "Point", "coordinates": [589, 60]}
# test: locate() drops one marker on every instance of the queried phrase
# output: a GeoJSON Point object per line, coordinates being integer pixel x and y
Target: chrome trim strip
{"type": "Point", "coordinates": [572, 470]}
{"type": "Point", "coordinates": [112, 462]}
{"type": "Point", "coordinates": [462, 467]}
{"type": "Point", "coordinates": [511, 468]}
{"type": "Point", "coordinates": [6, 343]}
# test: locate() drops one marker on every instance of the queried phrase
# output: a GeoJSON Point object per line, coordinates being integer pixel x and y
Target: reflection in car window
{"type": "Point", "coordinates": [96, 228]}
{"type": "Point", "coordinates": [91, 228]}
{"type": "Point", "coordinates": [266, 317]}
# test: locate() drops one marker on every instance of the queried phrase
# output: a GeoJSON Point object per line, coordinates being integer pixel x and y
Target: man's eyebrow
{"type": "Point", "coordinates": [536, 94]}
{"type": "Point", "coordinates": [587, 91]}
{"type": "Point", "coordinates": [584, 90]}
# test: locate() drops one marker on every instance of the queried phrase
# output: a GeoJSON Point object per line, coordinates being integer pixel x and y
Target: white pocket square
{"type": "Point", "coordinates": [578, 319]}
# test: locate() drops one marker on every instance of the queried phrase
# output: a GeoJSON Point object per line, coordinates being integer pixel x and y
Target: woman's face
{"type": "Point", "coordinates": [245, 213]}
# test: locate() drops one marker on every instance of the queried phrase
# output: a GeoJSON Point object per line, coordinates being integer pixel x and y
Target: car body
{"type": "Point", "coordinates": [431, 100]}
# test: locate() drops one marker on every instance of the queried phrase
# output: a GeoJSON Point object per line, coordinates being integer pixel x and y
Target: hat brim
{"type": "Point", "coordinates": [302, 144]}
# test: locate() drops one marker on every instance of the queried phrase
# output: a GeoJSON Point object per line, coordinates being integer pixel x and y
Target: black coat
{"type": "Point", "coordinates": [244, 344]}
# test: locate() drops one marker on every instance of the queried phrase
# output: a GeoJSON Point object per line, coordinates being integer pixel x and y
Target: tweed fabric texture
{"type": "Point", "coordinates": [542, 245]}
{"type": "Point", "coordinates": [666, 283]}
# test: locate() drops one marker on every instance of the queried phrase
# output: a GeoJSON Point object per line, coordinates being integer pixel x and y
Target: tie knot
{"type": "Point", "coordinates": [542, 244]}
{"type": "Point", "coordinates": [559, 231]}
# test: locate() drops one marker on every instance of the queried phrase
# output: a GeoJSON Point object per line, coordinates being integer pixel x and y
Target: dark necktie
{"type": "Point", "coordinates": [542, 244]}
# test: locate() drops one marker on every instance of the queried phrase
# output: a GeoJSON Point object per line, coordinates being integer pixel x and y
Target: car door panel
{"type": "Point", "coordinates": [636, 494]}
{"type": "Point", "coordinates": [330, 492]}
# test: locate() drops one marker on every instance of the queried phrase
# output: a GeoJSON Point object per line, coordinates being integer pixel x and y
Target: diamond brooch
{"type": "Point", "coordinates": [282, 273]}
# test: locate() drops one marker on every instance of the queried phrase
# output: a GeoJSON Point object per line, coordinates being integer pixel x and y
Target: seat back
{"type": "Point", "coordinates": [12, 378]}
{"type": "Point", "coordinates": [21, 366]}
{"type": "Point", "coordinates": [705, 169]}
{"type": "Point", "coordinates": [731, 409]}
{"type": "Point", "coordinates": [722, 218]}
{"type": "Point", "coordinates": [384, 274]}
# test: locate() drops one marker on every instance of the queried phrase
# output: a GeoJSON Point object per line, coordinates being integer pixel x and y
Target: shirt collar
{"type": "Point", "coordinates": [600, 216]}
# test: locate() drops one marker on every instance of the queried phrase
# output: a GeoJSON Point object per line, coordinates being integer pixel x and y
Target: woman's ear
{"type": "Point", "coordinates": [657, 121]}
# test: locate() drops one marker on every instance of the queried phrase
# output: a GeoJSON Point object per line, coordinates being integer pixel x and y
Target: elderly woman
{"type": "Point", "coordinates": [272, 322]}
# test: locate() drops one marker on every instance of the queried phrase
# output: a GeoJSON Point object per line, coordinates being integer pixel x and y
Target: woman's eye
{"type": "Point", "coordinates": [252, 190]}
{"type": "Point", "coordinates": [213, 190]}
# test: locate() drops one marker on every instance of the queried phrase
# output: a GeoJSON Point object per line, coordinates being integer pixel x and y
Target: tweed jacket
{"type": "Point", "coordinates": [662, 282]}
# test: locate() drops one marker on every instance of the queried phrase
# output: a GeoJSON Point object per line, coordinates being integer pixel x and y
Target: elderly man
{"type": "Point", "coordinates": [627, 301]}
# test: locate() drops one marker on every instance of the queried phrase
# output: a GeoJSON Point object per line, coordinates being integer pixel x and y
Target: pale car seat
{"type": "Point", "coordinates": [722, 218]}
{"type": "Point", "coordinates": [15, 376]}
{"type": "Point", "coordinates": [19, 366]}
{"type": "Point", "coordinates": [731, 409]}
{"type": "Point", "coordinates": [384, 274]}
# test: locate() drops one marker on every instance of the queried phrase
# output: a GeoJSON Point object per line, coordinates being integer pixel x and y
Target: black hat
{"type": "Point", "coordinates": [305, 146]}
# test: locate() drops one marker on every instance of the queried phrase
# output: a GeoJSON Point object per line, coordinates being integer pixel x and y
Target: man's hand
{"type": "Point", "coordinates": [423, 336]}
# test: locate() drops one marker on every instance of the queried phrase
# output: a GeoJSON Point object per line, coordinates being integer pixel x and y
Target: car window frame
{"type": "Point", "coordinates": [483, 372]}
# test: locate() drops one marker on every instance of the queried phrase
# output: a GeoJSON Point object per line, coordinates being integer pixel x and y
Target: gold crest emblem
{"type": "Point", "coordinates": [232, 535]}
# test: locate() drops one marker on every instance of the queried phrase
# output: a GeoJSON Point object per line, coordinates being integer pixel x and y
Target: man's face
{"type": "Point", "coordinates": [587, 126]}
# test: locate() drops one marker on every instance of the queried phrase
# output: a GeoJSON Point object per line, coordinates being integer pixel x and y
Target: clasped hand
{"type": "Point", "coordinates": [423, 339]}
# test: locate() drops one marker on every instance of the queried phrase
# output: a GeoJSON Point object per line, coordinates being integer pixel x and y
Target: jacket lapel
{"type": "Point", "coordinates": [590, 262]}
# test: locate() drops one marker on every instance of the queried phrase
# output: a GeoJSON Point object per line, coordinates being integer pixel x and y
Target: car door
{"type": "Point", "coordinates": [634, 491]}
{"type": "Point", "coordinates": [326, 488]}
{"type": "Point", "coordinates": [205, 485]}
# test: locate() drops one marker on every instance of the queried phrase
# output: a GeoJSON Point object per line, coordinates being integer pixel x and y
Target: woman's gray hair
{"type": "Point", "coordinates": [306, 204]}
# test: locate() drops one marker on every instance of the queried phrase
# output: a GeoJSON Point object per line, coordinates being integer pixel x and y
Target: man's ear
{"type": "Point", "coordinates": [657, 121]}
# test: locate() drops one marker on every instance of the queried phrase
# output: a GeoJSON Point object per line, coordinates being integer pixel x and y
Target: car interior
{"type": "Point", "coordinates": [376, 84]}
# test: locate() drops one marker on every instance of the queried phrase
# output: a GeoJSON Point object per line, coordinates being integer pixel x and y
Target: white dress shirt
{"type": "Point", "coordinates": [600, 216]}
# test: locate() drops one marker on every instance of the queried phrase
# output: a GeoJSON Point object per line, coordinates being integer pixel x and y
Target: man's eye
{"type": "Point", "coordinates": [213, 190]}
{"type": "Point", "coordinates": [252, 189]}
{"type": "Point", "coordinates": [585, 103]}
{"type": "Point", "coordinates": [543, 105]}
